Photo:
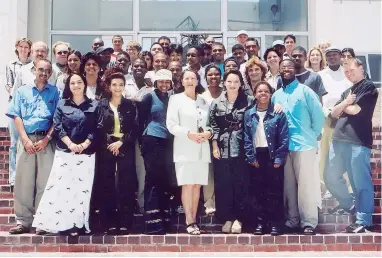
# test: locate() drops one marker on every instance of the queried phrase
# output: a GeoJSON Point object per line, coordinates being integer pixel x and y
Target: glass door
{"type": "Point", "coordinates": [230, 41]}
{"type": "Point", "coordinates": [146, 40]}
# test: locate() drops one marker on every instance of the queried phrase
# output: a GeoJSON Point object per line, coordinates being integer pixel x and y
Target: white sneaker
{"type": "Point", "coordinates": [236, 227]}
{"type": "Point", "coordinates": [227, 227]}
{"type": "Point", "coordinates": [210, 210]}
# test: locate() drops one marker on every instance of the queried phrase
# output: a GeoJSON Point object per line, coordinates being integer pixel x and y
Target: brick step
{"type": "Point", "coordinates": [6, 202]}
{"type": "Point", "coordinates": [186, 243]}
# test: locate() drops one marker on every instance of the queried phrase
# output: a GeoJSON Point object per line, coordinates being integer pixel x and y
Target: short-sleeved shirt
{"type": "Point", "coordinates": [357, 129]}
{"type": "Point", "coordinates": [35, 107]}
{"type": "Point", "coordinates": [310, 79]}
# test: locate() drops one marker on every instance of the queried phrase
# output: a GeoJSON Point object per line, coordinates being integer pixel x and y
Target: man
{"type": "Point", "coordinates": [308, 78]}
{"type": "Point", "coordinates": [209, 40]}
{"type": "Point", "coordinates": [160, 61]}
{"type": "Point", "coordinates": [33, 118]}
{"type": "Point", "coordinates": [207, 54]}
{"type": "Point", "coordinates": [238, 52]}
{"type": "Point", "coordinates": [333, 77]}
{"type": "Point", "coordinates": [26, 75]}
{"type": "Point", "coordinates": [123, 62]}
{"type": "Point", "coordinates": [218, 52]}
{"type": "Point", "coordinates": [290, 43]}
{"type": "Point", "coordinates": [97, 42]}
{"type": "Point", "coordinates": [279, 45]}
{"type": "Point", "coordinates": [117, 42]}
{"type": "Point", "coordinates": [176, 69]}
{"type": "Point", "coordinates": [105, 56]}
{"type": "Point", "coordinates": [351, 148]}
{"type": "Point", "coordinates": [252, 48]}
{"type": "Point", "coordinates": [195, 55]}
{"type": "Point", "coordinates": [133, 49]}
{"type": "Point", "coordinates": [241, 37]}
{"type": "Point", "coordinates": [60, 51]}
{"type": "Point", "coordinates": [165, 43]}
{"type": "Point", "coordinates": [305, 121]}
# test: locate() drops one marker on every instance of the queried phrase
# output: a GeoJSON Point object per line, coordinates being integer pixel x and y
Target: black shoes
{"type": "Point", "coordinates": [19, 229]}
{"type": "Point", "coordinates": [259, 230]}
{"type": "Point", "coordinates": [342, 211]}
{"type": "Point", "coordinates": [275, 231]}
{"type": "Point", "coordinates": [357, 228]}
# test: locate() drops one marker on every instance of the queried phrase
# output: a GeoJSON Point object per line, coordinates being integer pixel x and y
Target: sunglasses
{"type": "Point", "coordinates": [62, 52]}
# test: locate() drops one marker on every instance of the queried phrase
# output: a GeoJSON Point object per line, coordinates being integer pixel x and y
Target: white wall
{"type": "Point", "coordinates": [352, 23]}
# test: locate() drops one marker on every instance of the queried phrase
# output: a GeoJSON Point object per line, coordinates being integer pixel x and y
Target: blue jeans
{"type": "Point", "coordinates": [12, 151]}
{"type": "Point", "coordinates": [355, 160]}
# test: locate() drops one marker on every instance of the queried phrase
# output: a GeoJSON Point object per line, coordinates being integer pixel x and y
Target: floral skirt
{"type": "Point", "coordinates": [66, 199]}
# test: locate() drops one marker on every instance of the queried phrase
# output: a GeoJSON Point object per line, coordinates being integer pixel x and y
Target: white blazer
{"type": "Point", "coordinates": [182, 118]}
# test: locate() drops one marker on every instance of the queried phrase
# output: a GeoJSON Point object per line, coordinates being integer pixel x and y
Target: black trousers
{"type": "Point", "coordinates": [267, 189]}
{"type": "Point", "coordinates": [157, 156]}
{"type": "Point", "coordinates": [116, 186]}
{"type": "Point", "coordinates": [231, 188]}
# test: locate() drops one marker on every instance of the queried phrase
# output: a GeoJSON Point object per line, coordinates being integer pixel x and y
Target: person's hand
{"type": "Point", "coordinates": [195, 137]}
{"type": "Point", "coordinates": [255, 164]}
{"type": "Point", "coordinates": [278, 108]}
{"type": "Point", "coordinates": [41, 144]}
{"type": "Point", "coordinates": [75, 148]}
{"type": "Point", "coordinates": [276, 165]}
{"type": "Point", "coordinates": [350, 99]}
{"type": "Point", "coordinates": [205, 136]}
{"type": "Point", "coordinates": [114, 147]}
{"type": "Point", "coordinates": [216, 153]}
{"type": "Point", "coordinates": [29, 146]}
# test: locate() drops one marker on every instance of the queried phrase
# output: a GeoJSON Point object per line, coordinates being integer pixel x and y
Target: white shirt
{"type": "Point", "coordinates": [151, 76]}
{"type": "Point", "coordinates": [260, 138]}
{"type": "Point", "coordinates": [208, 97]}
{"type": "Point", "coordinates": [91, 92]}
{"type": "Point", "coordinates": [335, 84]}
{"type": "Point", "coordinates": [132, 91]}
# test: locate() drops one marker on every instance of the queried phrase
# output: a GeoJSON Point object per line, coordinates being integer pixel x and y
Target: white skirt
{"type": "Point", "coordinates": [192, 173]}
{"type": "Point", "coordinates": [66, 199]}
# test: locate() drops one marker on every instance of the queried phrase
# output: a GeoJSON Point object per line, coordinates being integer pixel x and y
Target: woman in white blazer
{"type": "Point", "coordinates": [187, 116]}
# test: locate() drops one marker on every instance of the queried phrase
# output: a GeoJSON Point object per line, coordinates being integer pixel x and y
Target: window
{"type": "Point", "coordinates": [181, 15]}
{"type": "Point", "coordinates": [232, 41]}
{"type": "Point", "coordinates": [148, 41]}
{"type": "Point", "coordinates": [375, 68]}
{"type": "Point", "coordinates": [268, 15]}
{"type": "Point", "coordinates": [92, 15]}
{"type": "Point", "coordinates": [301, 41]}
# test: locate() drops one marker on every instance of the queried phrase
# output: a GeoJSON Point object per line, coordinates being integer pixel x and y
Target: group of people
{"type": "Point", "coordinates": [95, 135]}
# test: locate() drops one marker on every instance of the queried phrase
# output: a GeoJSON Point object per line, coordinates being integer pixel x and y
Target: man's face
{"type": "Point", "coordinates": [289, 44]}
{"type": "Point", "coordinates": [218, 52]}
{"type": "Point", "coordinates": [242, 38]}
{"type": "Point", "coordinates": [346, 58]}
{"type": "Point", "coordinates": [105, 57]}
{"type": "Point", "coordinates": [176, 69]}
{"type": "Point", "coordinates": [156, 49]}
{"type": "Point", "coordinates": [287, 70]}
{"type": "Point", "coordinates": [39, 52]}
{"type": "Point", "coordinates": [117, 44]}
{"type": "Point", "coordinates": [251, 48]}
{"type": "Point", "coordinates": [354, 73]}
{"type": "Point", "coordinates": [61, 55]}
{"type": "Point", "coordinates": [97, 43]}
{"type": "Point", "coordinates": [333, 58]}
{"type": "Point", "coordinates": [165, 43]}
{"type": "Point", "coordinates": [43, 71]}
{"type": "Point", "coordinates": [192, 57]}
{"type": "Point", "coordinates": [139, 69]}
{"type": "Point", "coordinates": [122, 62]}
{"type": "Point", "coordinates": [209, 41]}
{"type": "Point", "coordinates": [207, 57]}
{"type": "Point", "coordinates": [239, 55]}
{"type": "Point", "coordinates": [299, 57]}
{"type": "Point", "coordinates": [160, 61]}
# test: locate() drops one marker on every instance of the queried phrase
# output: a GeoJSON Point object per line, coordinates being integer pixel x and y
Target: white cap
{"type": "Point", "coordinates": [278, 42]}
{"type": "Point", "coordinates": [163, 74]}
{"type": "Point", "coordinates": [241, 32]}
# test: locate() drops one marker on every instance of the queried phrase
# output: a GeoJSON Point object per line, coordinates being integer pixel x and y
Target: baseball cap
{"type": "Point", "coordinates": [333, 49]}
{"type": "Point", "coordinates": [163, 74]}
{"type": "Point", "coordinates": [278, 42]}
{"type": "Point", "coordinates": [103, 49]}
{"type": "Point", "coordinates": [241, 32]}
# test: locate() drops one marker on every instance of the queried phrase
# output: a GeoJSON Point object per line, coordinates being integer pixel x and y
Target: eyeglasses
{"type": "Point", "coordinates": [42, 70]}
{"type": "Point", "coordinates": [62, 52]}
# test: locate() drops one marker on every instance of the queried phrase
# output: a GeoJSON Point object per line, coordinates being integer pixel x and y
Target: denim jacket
{"type": "Point", "coordinates": [227, 125]}
{"type": "Point", "coordinates": [276, 132]}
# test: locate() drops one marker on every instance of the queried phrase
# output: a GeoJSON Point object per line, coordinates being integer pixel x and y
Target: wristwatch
{"type": "Point", "coordinates": [49, 137]}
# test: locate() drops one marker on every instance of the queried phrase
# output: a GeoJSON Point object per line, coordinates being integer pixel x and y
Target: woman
{"type": "Point", "coordinates": [175, 52]}
{"type": "Point", "coordinates": [90, 67]}
{"type": "Point", "coordinates": [213, 78]}
{"type": "Point", "coordinates": [156, 152]}
{"type": "Point", "coordinates": [231, 64]}
{"type": "Point", "coordinates": [324, 45]}
{"type": "Point", "coordinates": [65, 203]}
{"type": "Point", "coordinates": [266, 147]}
{"type": "Point", "coordinates": [74, 63]}
{"type": "Point", "coordinates": [254, 72]}
{"type": "Point", "coordinates": [226, 119]}
{"type": "Point", "coordinates": [273, 57]}
{"type": "Point", "coordinates": [148, 57]}
{"type": "Point", "coordinates": [116, 180]}
{"type": "Point", "coordinates": [316, 60]}
{"type": "Point", "coordinates": [23, 50]}
{"type": "Point", "coordinates": [187, 116]}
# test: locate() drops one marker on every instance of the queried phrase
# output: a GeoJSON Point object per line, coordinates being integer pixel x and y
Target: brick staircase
{"type": "Point", "coordinates": [330, 228]}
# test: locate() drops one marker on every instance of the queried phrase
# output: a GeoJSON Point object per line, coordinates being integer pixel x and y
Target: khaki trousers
{"type": "Point", "coordinates": [32, 173]}
{"type": "Point", "coordinates": [209, 190]}
{"type": "Point", "coordinates": [301, 187]}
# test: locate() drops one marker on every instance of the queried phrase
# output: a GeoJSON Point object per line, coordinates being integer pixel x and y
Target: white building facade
{"type": "Point", "coordinates": [344, 23]}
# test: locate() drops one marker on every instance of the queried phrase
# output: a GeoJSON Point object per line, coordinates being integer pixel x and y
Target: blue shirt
{"type": "Point", "coordinates": [36, 108]}
{"type": "Point", "coordinates": [304, 114]}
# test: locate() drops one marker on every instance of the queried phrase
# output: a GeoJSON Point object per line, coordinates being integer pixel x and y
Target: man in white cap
{"type": "Point", "coordinates": [279, 45]}
{"type": "Point", "coordinates": [241, 37]}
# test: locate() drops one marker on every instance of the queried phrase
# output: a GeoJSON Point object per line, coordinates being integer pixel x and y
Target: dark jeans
{"type": "Point", "coordinates": [267, 187]}
{"type": "Point", "coordinates": [157, 156]}
{"type": "Point", "coordinates": [117, 184]}
{"type": "Point", "coordinates": [231, 188]}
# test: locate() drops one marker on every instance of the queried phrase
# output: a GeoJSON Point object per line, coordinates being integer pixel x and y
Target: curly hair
{"type": "Point", "coordinates": [109, 75]}
{"type": "Point", "coordinates": [252, 62]}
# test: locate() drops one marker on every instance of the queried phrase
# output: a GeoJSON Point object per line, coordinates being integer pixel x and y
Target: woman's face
{"type": "Point", "coordinates": [255, 73]}
{"type": "Point", "coordinates": [74, 63]}
{"type": "Point", "coordinates": [263, 94]}
{"type": "Point", "coordinates": [232, 83]}
{"type": "Point", "coordinates": [77, 85]}
{"type": "Point", "coordinates": [117, 87]}
{"type": "Point", "coordinates": [315, 57]}
{"type": "Point", "coordinates": [213, 77]}
{"type": "Point", "coordinates": [230, 65]}
{"type": "Point", "coordinates": [175, 57]}
{"type": "Point", "coordinates": [23, 49]}
{"type": "Point", "coordinates": [148, 62]}
{"type": "Point", "coordinates": [189, 80]}
{"type": "Point", "coordinates": [164, 85]}
{"type": "Point", "coordinates": [91, 67]}
{"type": "Point", "coordinates": [273, 60]}
{"type": "Point", "coordinates": [346, 58]}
